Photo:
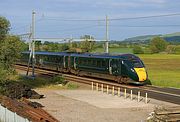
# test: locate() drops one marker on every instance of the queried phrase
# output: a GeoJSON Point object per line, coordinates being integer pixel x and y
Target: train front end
{"type": "Point", "coordinates": [136, 70]}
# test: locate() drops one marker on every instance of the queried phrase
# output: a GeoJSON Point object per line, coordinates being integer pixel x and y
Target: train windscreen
{"type": "Point", "coordinates": [137, 64]}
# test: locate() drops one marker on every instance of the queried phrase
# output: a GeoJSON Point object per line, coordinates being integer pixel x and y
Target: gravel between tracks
{"type": "Point", "coordinates": [92, 106]}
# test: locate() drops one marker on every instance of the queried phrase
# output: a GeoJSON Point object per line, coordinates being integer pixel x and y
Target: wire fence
{"type": "Point", "coordinates": [9, 116]}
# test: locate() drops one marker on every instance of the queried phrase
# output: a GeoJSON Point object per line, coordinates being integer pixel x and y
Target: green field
{"type": "Point", "coordinates": [115, 50]}
{"type": "Point", "coordinates": [163, 69]}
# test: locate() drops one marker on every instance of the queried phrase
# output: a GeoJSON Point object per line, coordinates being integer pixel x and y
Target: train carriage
{"type": "Point", "coordinates": [123, 68]}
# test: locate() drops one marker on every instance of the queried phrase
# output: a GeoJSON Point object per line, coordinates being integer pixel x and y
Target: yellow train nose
{"type": "Point", "coordinates": [141, 72]}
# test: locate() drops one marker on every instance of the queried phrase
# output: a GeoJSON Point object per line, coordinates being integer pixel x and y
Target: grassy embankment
{"type": "Point", "coordinates": [163, 69]}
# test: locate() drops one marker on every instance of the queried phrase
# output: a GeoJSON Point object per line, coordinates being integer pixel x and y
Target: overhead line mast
{"type": "Point", "coordinates": [32, 46]}
{"type": "Point", "coordinates": [33, 42]}
{"type": "Point", "coordinates": [107, 36]}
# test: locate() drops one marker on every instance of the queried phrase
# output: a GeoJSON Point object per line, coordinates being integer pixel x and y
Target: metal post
{"type": "Point", "coordinates": [30, 50]}
{"type": "Point", "coordinates": [30, 34]}
{"type": "Point", "coordinates": [33, 43]}
{"type": "Point", "coordinates": [107, 89]}
{"type": "Point", "coordinates": [107, 36]}
{"type": "Point", "coordinates": [124, 93]}
{"type": "Point", "coordinates": [119, 92]}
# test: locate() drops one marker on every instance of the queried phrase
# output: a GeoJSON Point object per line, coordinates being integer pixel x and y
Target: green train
{"type": "Point", "coordinates": [122, 68]}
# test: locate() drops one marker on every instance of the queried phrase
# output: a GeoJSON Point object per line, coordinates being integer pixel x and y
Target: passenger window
{"type": "Point", "coordinates": [98, 63]}
{"type": "Point", "coordinates": [89, 62]}
{"type": "Point", "coordinates": [103, 63]}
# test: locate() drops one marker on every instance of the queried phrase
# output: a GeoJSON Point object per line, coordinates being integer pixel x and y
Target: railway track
{"type": "Point", "coordinates": [164, 94]}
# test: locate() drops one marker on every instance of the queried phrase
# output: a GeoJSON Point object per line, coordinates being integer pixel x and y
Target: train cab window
{"type": "Point", "coordinates": [137, 64]}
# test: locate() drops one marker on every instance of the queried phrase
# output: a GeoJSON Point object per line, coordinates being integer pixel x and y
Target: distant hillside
{"type": "Point", "coordinates": [173, 38]}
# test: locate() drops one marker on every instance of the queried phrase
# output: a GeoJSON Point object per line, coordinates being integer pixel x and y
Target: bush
{"type": "Point", "coordinates": [72, 86]}
{"type": "Point", "coordinates": [171, 49]}
{"type": "Point", "coordinates": [177, 49]}
{"type": "Point", "coordinates": [59, 80]}
{"type": "Point", "coordinates": [138, 50]}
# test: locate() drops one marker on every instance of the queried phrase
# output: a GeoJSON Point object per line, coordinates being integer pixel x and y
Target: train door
{"type": "Point", "coordinates": [110, 66]}
{"type": "Point", "coordinates": [119, 66]}
{"type": "Point", "coordinates": [115, 67]}
{"type": "Point", "coordinates": [69, 61]}
{"type": "Point", "coordinates": [75, 65]}
{"type": "Point", "coordinates": [64, 61]}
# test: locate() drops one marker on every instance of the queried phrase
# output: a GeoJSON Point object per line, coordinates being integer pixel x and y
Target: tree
{"type": "Point", "coordinates": [88, 43]}
{"type": "Point", "coordinates": [64, 47]}
{"type": "Point", "coordinates": [4, 27]}
{"type": "Point", "coordinates": [10, 50]}
{"type": "Point", "coordinates": [157, 45]}
{"type": "Point", "coordinates": [137, 50]}
{"type": "Point", "coordinates": [38, 45]}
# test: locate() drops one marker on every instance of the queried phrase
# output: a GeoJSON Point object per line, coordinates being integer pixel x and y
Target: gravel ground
{"type": "Point", "coordinates": [92, 106]}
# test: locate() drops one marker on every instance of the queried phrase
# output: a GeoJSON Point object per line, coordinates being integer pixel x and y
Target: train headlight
{"type": "Point", "coordinates": [132, 70]}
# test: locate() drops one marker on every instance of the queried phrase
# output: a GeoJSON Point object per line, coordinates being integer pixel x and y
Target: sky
{"type": "Point", "coordinates": [75, 18]}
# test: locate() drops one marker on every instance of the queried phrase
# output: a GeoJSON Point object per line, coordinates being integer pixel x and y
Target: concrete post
{"type": "Point", "coordinates": [113, 90]}
{"type": "Point", "coordinates": [124, 93]}
{"type": "Point", "coordinates": [102, 88]}
{"type": "Point", "coordinates": [92, 85]}
{"type": "Point", "coordinates": [119, 92]}
{"type": "Point", "coordinates": [107, 89]}
{"type": "Point", "coordinates": [146, 99]}
{"type": "Point", "coordinates": [131, 95]}
{"type": "Point", "coordinates": [139, 96]}
{"type": "Point", "coordinates": [96, 86]}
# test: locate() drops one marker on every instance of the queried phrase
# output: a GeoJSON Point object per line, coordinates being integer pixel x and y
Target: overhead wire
{"type": "Point", "coordinates": [143, 26]}
{"type": "Point", "coordinates": [115, 19]}
{"type": "Point", "coordinates": [72, 29]}
{"type": "Point", "coordinates": [43, 18]}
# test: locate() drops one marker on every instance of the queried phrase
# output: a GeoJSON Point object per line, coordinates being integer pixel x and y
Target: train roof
{"type": "Point", "coordinates": [93, 55]}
